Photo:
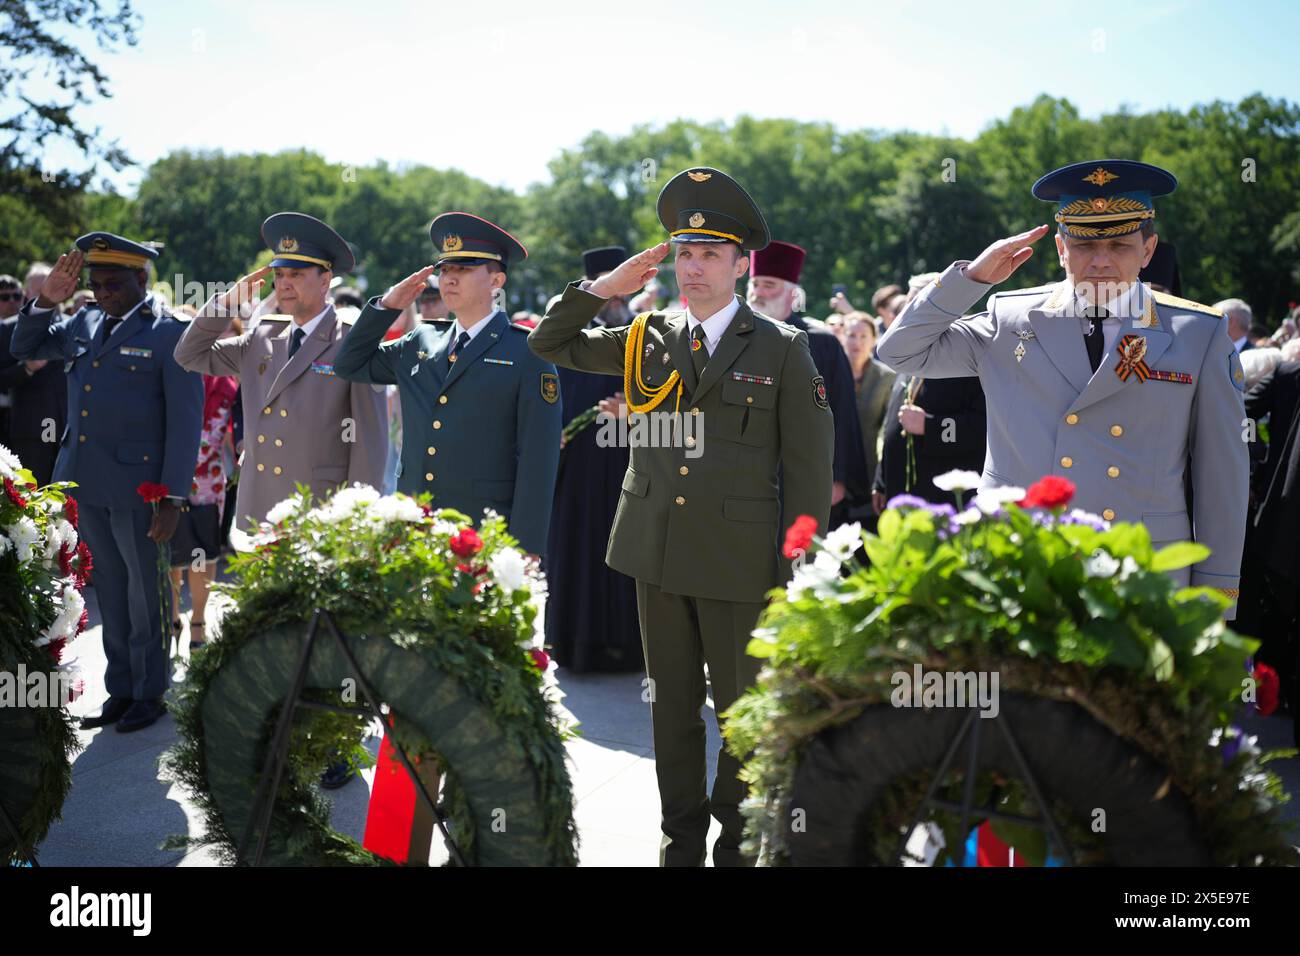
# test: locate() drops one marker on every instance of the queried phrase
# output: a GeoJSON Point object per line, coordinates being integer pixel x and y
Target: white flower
{"type": "Point", "coordinates": [441, 526]}
{"type": "Point", "coordinates": [345, 502]}
{"type": "Point", "coordinates": [1101, 565]}
{"type": "Point", "coordinates": [508, 567]}
{"type": "Point", "coordinates": [991, 500]}
{"type": "Point", "coordinates": [65, 624]}
{"type": "Point", "coordinates": [5, 545]}
{"type": "Point", "coordinates": [820, 577]}
{"type": "Point", "coordinates": [1128, 567]}
{"type": "Point", "coordinates": [843, 541]}
{"type": "Point", "coordinates": [283, 511]}
{"type": "Point", "coordinates": [957, 480]}
{"type": "Point", "coordinates": [58, 533]}
{"type": "Point", "coordinates": [9, 463]}
{"type": "Point", "coordinates": [396, 508]}
{"type": "Point", "coordinates": [25, 537]}
{"type": "Point", "coordinates": [969, 516]}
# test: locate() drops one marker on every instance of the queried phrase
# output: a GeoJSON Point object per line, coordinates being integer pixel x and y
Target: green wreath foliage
{"type": "Point", "coordinates": [433, 628]}
{"type": "Point", "coordinates": [41, 573]}
{"type": "Point", "coordinates": [1061, 606]}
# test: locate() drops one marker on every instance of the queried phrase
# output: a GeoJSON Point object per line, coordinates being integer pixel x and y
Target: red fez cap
{"type": "Point", "coordinates": [779, 260]}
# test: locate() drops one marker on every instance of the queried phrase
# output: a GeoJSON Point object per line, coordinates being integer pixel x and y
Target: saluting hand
{"type": "Point", "coordinates": [244, 290]}
{"type": "Point", "coordinates": [632, 274]}
{"type": "Point", "coordinates": [406, 291]}
{"type": "Point", "coordinates": [996, 263]}
{"type": "Point", "coordinates": [62, 280]}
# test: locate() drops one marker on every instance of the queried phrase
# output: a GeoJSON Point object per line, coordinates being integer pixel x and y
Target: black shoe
{"type": "Point", "coordinates": [113, 710]}
{"type": "Point", "coordinates": [336, 775]}
{"type": "Point", "coordinates": [142, 714]}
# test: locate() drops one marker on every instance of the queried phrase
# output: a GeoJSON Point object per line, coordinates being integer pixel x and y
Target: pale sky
{"type": "Point", "coordinates": [498, 88]}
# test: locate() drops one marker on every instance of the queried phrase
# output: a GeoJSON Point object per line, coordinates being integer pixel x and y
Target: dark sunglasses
{"type": "Point", "coordinates": [11, 297]}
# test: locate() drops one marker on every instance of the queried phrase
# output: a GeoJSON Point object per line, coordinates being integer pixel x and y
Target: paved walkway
{"type": "Point", "coordinates": [119, 812]}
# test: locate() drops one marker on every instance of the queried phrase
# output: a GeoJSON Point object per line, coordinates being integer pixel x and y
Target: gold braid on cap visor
{"type": "Point", "coordinates": [297, 257]}
{"type": "Point", "coordinates": [108, 257]}
{"type": "Point", "coordinates": [462, 254]}
{"type": "Point", "coordinates": [708, 232]}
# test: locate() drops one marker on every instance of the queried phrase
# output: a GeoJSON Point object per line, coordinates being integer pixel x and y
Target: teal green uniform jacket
{"type": "Point", "coordinates": [482, 432]}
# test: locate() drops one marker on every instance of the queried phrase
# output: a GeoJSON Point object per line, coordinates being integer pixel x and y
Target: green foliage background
{"type": "Point", "coordinates": [871, 207]}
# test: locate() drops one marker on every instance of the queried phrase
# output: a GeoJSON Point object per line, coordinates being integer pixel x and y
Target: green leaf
{"type": "Point", "coordinates": [891, 522]}
{"type": "Point", "coordinates": [978, 580]}
{"type": "Point", "coordinates": [1179, 555]}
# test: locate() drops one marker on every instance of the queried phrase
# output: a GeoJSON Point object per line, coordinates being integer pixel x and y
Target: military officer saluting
{"type": "Point", "coordinates": [134, 416]}
{"type": "Point", "coordinates": [1128, 392]}
{"type": "Point", "coordinates": [480, 413]}
{"type": "Point", "coordinates": [304, 424]}
{"type": "Point", "coordinates": [697, 523]}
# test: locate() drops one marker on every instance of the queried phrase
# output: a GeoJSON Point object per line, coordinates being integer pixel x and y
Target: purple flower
{"type": "Point", "coordinates": [907, 501]}
{"type": "Point", "coordinates": [1079, 516]}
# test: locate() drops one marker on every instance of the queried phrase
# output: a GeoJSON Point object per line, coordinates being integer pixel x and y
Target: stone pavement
{"type": "Point", "coordinates": [119, 812]}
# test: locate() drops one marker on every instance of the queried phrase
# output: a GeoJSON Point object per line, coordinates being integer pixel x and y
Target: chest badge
{"type": "Point", "coordinates": [1024, 335]}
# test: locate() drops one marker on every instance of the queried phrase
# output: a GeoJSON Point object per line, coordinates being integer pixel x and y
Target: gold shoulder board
{"type": "Point", "coordinates": [1164, 298]}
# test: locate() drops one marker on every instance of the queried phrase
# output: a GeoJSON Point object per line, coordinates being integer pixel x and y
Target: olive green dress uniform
{"type": "Point", "coordinates": [699, 532]}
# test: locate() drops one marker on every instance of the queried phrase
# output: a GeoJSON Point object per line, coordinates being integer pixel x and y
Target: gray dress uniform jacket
{"type": "Point", "coordinates": [302, 422]}
{"type": "Point", "coordinates": [1130, 446]}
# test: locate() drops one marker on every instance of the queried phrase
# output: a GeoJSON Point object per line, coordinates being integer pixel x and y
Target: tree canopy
{"type": "Point", "coordinates": [871, 207]}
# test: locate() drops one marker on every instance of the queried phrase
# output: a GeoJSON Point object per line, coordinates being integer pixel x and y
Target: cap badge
{"type": "Point", "coordinates": [100, 243]}
{"type": "Point", "coordinates": [1100, 177]}
{"type": "Point", "coordinates": [452, 243]}
{"type": "Point", "coordinates": [696, 220]}
{"type": "Point", "coordinates": [700, 177]}
{"type": "Point", "coordinates": [288, 244]}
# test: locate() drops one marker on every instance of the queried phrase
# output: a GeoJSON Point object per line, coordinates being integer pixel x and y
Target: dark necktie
{"type": "Point", "coordinates": [295, 340]}
{"type": "Point", "coordinates": [699, 352]}
{"type": "Point", "coordinates": [110, 324]}
{"type": "Point", "coordinates": [458, 346]}
{"type": "Point", "coordinates": [1095, 338]}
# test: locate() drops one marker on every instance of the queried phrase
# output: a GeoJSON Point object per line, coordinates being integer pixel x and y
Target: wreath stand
{"type": "Point", "coordinates": [28, 855]}
{"type": "Point", "coordinates": [972, 725]}
{"type": "Point", "coordinates": [273, 769]}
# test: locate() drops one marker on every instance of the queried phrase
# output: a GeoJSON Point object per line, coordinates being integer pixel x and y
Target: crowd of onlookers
{"type": "Point", "coordinates": [897, 415]}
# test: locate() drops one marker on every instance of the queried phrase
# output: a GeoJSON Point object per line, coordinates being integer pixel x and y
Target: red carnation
{"type": "Point", "coordinates": [85, 563]}
{"type": "Point", "coordinates": [466, 543]}
{"type": "Point", "coordinates": [1267, 686]}
{"type": "Point", "coordinates": [1051, 492]}
{"type": "Point", "coordinates": [541, 660]}
{"type": "Point", "coordinates": [56, 648]}
{"type": "Point", "coordinates": [799, 536]}
{"type": "Point", "coordinates": [70, 510]}
{"type": "Point", "coordinates": [152, 492]}
{"type": "Point", "coordinates": [12, 491]}
{"type": "Point", "coordinates": [65, 560]}
{"type": "Point", "coordinates": [84, 621]}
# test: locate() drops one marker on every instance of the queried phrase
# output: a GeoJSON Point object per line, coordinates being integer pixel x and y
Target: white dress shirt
{"type": "Point", "coordinates": [715, 326]}
{"type": "Point", "coordinates": [309, 326]}
{"type": "Point", "coordinates": [476, 328]}
{"type": "Point", "coordinates": [1118, 308]}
